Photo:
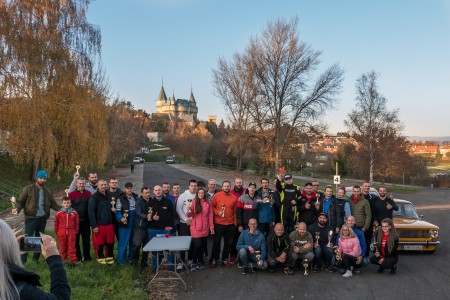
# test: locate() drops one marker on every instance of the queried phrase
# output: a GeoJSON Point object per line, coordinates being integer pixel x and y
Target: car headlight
{"type": "Point", "coordinates": [434, 233]}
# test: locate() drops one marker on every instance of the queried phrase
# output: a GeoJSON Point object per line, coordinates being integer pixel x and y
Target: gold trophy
{"type": "Point", "coordinates": [330, 235]}
{"type": "Point", "coordinates": [266, 198]}
{"type": "Point", "coordinates": [125, 215]}
{"type": "Point", "coordinates": [336, 249]}
{"type": "Point", "coordinates": [67, 192]}
{"type": "Point", "coordinates": [222, 212]}
{"type": "Point", "coordinates": [189, 205]}
{"type": "Point", "coordinates": [317, 237]}
{"type": "Point", "coordinates": [305, 265]}
{"type": "Point", "coordinates": [13, 203]}
{"type": "Point", "coordinates": [317, 198]}
{"type": "Point", "coordinates": [258, 257]}
{"type": "Point", "coordinates": [78, 166]}
{"type": "Point", "coordinates": [150, 212]}
{"type": "Point", "coordinates": [113, 204]}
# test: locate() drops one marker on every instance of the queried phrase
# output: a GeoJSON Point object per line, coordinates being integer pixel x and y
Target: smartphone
{"type": "Point", "coordinates": [31, 244]}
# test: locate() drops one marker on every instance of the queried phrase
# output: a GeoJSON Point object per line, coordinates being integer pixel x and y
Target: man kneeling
{"type": "Point", "coordinates": [278, 246]}
{"type": "Point", "coordinates": [251, 247]}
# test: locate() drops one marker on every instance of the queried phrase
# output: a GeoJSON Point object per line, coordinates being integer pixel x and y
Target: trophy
{"type": "Point", "coordinates": [188, 204]}
{"type": "Point", "coordinates": [266, 198]}
{"type": "Point", "coordinates": [317, 198]}
{"type": "Point", "coordinates": [305, 265]}
{"type": "Point", "coordinates": [330, 235]}
{"type": "Point", "coordinates": [222, 212]}
{"type": "Point", "coordinates": [373, 245]}
{"type": "Point", "coordinates": [113, 203]}
{"type": "Point", "coordinates": [336, 249]}
{"type": "Point", "coordinates": [13, 202]}
{"type": "Point", "coordinates": [78, 166]}
{"type": "Point", "coordinates": [150, 212]}
{"type": "Point", "coordinates": [67, 192]}
{"type": "Point", "coordinates": [125, 215]}
{"type": "Point", "coordinates": [258, 257]}
{"type": "Point", "coordinates": [317, 237]}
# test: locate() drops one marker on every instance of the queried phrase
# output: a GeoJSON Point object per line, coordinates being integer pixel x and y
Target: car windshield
{"type": "Point", "coordinates": [405, 210]}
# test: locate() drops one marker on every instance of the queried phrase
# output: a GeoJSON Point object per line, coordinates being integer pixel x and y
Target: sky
{"type": "Point", "coordinates": [178, 42]}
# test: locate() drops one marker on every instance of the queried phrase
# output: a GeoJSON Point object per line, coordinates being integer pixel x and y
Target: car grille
{"type": "Point", "coordinates": [413, 233]}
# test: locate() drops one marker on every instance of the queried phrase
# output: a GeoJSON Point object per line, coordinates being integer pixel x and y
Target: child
{"type": "Point", "coordinates": [66, 229]}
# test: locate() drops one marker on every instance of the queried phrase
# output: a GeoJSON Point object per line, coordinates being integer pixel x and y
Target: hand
{"type": "Point", "coordinates": [240, 228]}
{"type": "Point", "coordinates": [251, 250]}
{"type": "Point", "coordinates": [14, 211]}
{"type": "Point", "coordinates": [307, 205]}
{"type": "Point", "coordinates": [377, 254]}
{"type": "Point", "coordinates": [156, 217]}
{"type": "Point", "coordinates": [260, 262]}
{"type": "Point", "coordinates": [388, 206]}
{"type": "Point", "coordinates": [123, 220]}
{"type": "Point", "coordinates": [380, 261]}
{"type": "Point", "coordinates": [316, 245]}
{"type": "Point", "coordinates": [296, 249]}
{"type": "Point", "coordinates": [359, 260]}
{"type": "Point", "coordinates": [317, 204]}
{"type": "Point", "coordinates": [281, 170]}
{"type": "Point", "coordinates": [363, 230]}
{"type": "Point", "coordinates": [113, 210]}
{"type": "Point", "coordinates": [95, 230]}
{"type": "Point", "coordinates": [337, 230]}
{"type": "Point", "coordinates": [76, 175]}
{"type": "Point", "coordinates": [169, 228]}
{"type": "Point", "coordinates": [19, 237]}
{"type": "Point", "coordinates": [307, 245]}
{"type": "Point", "coordinates": [293, 202]}
{"type": "Point", "coordinates": [212, 231]}
{"type": "Point", "coordinates": [188, 222]}
{"type": "Point", "coordinates": [48, 246]}
{"type": "Point", "coordinates": [338, 256]}
{"type": "Point", "coordinates": [375, 223]}
{"type": "Point", "coordinates": [149, 217]}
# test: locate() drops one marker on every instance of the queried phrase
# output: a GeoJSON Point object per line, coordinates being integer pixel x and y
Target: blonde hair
{"type": "Point", "coordinates": [9, 254]}
{"type": "Point", "coordinates": [351, 233]}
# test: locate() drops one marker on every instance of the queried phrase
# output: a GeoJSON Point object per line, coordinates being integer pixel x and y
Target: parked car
{"type": "Point", "coordinates": [138, 160]}
{"type": "Point", "coordinates": [170, 160]}
{"type": "Point", "coordinates": [414, 233]}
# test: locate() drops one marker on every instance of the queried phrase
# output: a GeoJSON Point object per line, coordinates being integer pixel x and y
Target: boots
{"type": "Point", "coordinates": [348, 273]}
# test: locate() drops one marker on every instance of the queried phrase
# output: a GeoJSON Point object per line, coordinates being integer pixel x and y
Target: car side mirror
{"type": "Point", "coordinates": [421, 217]}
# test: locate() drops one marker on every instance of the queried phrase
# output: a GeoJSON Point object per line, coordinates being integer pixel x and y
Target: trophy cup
{"type": "Point", "coordinates": [258, 257]}
{"type": "Point", "coordinates": [317, 198]}
{"type": "Point", "coordinates": [150, 212]}
{"type": "Point", "coordinates": [67, 192]}
{"type": "Point", "coordinates": [189, 205]}
{"type": "Point", "coordinates": [125, 215]}
{"type": "Point", "coordinates": [222, 212]}
{"type": "Point", "coordinates": [336, 249]}
{"type": "Point", "coordinates": [330, 235]}
{"type": "Point", "coordinates": [78, 166]}
{"type": "Point", "coordinates": [13, 203]}
{"type": "Point", "coordinates": [113, 204]}
{"type": "Point", "coordinates": [317, 237]}
{"type": "Point", "coordinates": [305, 265]}
{"type": "Point", "coordinates": [266, 198]}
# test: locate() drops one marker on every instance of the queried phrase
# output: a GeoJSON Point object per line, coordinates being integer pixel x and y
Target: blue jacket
{"type": "Point", "coordinates": [257, 241]}
{"type": "Point", "coordinates": [266, 212]}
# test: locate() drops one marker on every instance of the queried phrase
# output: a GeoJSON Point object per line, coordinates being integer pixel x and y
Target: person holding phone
{"type": "Point", "coordinates": [20, 283]}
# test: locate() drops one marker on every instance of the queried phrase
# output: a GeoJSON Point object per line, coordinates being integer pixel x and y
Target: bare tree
{"type": "Point", "coordinates": [371, 122]}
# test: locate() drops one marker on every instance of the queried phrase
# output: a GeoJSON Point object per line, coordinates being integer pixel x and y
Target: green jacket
{"type": "Point", "coordinates": [362, 212]}
{"type": "Point", "coordinates": [29, 201]}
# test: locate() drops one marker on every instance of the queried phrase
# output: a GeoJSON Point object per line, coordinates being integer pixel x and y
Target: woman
{"type": "Point", "coordinates": [19, 283]}
{"type": "Point", "coordinates": [386, 247]}
{"type": "Point", "coordinates": [349, 250]}
{"type": "Point", "coordinates": [201, 216]}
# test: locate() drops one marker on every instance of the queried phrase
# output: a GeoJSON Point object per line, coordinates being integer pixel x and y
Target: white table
{"type": "Point", "coordinates": [174, 244]}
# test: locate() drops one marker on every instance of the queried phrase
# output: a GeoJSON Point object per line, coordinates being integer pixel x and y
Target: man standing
{"type": "Point", "coordinates": [289, 195]}
{"type": "Point", "coordinates": [245, 207]}
{"type": "Point", "coordinates": [383, 206]}
{"type": "Point", "coordinates": [91, 184]}
{"type": "Point", "coordinates": [309, 201]}
{"type": "Point", "coordinates": [344, 206]}
{"type": "Point", "coordinates": [238, 190]}
{"type": "Point", "coordinates": [140, 228]}
{"type": "Point", "coordinates": [278, 249]}
{"type": "Point", "coordinates": [167, 195]}
{"type": "Point", "coordinates": [80, 201]}
{"type": "Point", "coordinates": [301, 244]}
{"type": "Point", "coordinates": [114, 191]}
{"type": "Point", "coordinates": [273, 198]}
{"type": "Point", "coordinates": [211, 189]}
{"type": "Point", "coordinates": [176, 191]}
{"type": "Point", "coordinates": [251, 246]}
{"type": "Point", "coordinates": [224, 211]}
{"type": "Point", "coordinates": [183, 204]}
{"type": "Point", "coordinates": [125, 214]}
{"type": "Point", "coordinates": [322, 233]}
{"type": "Point", "coordinates": [36, 201]}
{"type": "Point", "coordinates": [330, 206]}
{"type": "Point", "coordinates": [371, 199]}
{"type": "Point", "coordinates": [101, 219]}
{"type": "Point", "coordinates": [315, 185]}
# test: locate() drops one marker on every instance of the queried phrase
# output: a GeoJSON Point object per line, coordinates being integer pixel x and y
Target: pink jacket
{"type": "Point", "coordinates": [349, 246]}
{"type": "Point", "coordinates": [202, 223]}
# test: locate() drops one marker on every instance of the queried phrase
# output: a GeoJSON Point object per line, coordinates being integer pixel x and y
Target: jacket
{"type": "Point", "coordinates": [245, 209]}
{"type": "Point", "coordinates": [123, 203]}
{"type": "Point", "coordinates": [278, 244]}
{"type": "Point", "coordinates": [140, 218]}
{"type": "Point", "coordinates": [182, 205]}
{"type": "Point", "coordinates": [66, 220]}
{"type": "Point", "coordinates": [27, 282]}
{"type": "Point", "coordinates": [80, 202]}
{"type": "Point", "coordinates": [308, 215]}
{"type": "Point", "coordinates": [228, 203]}
{"type": "Point", "coordinates": [393, 253]}
{"type": "Point", "coordinates": [100, 212]}
{"type": "Point", "coordinates": [29, 201]}
{"type": "Point", "coordinates": [165, 210]}
{"type": "Point", "coordinates": [323, 233]}
{"type": "Point", "coordinates": [334, 212]}
{"type": "Point", "coordinates": [362, 212]}
{"type": "Point", "coordinates": [257, 241]}
{"type": "Point", "coordinates": [380, 211]}
{"type": "Point", "coordinates": [360, 235]}
{"type": "Point", "coordinates": [266, 212]}
{"type": "Point", "coordinates": [299, 241]}
{"type": "Point", "coordinates": [349, 246]}
{"type": "Point", "coordinates": [202, 223]}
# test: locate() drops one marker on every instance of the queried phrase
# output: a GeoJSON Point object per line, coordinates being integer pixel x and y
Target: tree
{"type": "Point", "coordinates": [371, 122]}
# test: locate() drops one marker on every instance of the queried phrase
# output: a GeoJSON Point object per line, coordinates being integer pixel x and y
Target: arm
{"type": "Point", "coordinates": [56, 223]}
{"type": "Point", "coordinates": [368, 214]}
{"type": "Point", "coordinates": [339, 217]}
{"type": "Point", "coordinates": [140, 209]}
{"type": "Point", "coordinates": [118, 213]}
{"type": "Point", "coordinates": [239, 213]}
{"type": "Point", "coordinates": [241, 243]}
{"type": "Point", "coordinates": [269, 246]}
{"type": "Point", "coordinates": [279, 186]}
{"type": "Point", "coordinates": [347, 209]}
{"type": "Point", "coordinates": [394, 205]}
{"type": "Point", "coordinates": [22, 199]}
{"type": "Point", "coordinates": [211, 218]}
{"type": "Point", "coordinates": [180, 208]}
{"type": "Point", "coordinates": [92, 212]}
{"type": "Point", "coordinates": [173, 214]}
{"type": "Point", "coordinates": [263, 248]}
{"type": "Point", "coordinates": [356, 248]}
{"type": "Point", "coordinates": [73, 184]}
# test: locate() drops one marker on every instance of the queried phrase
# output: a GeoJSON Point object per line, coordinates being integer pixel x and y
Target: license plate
{"type": "Point", "coordinates": [412, 247]}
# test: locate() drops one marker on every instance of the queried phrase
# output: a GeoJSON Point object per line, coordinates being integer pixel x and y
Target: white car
{"type": "Point", "coordinates": [138, 160]}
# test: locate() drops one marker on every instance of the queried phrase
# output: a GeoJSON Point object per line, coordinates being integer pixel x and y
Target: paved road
{"type": "Point", "coordinates": [419, 276]}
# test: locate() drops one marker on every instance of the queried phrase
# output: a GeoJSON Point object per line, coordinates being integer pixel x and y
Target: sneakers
{"type": "Point", "coordinates": [213, 264]}
{"type": "Point", "coordinates": [109, 260]}
{"type": "Point", "coordinates": [288, 271]}
{"type": "Point", "coordinates": [180, 267]}
{"type": "Point", "coordinates": [226, 264]}
{"type": "Point", "coordinates": [232, 259]}
{"type": "Point", "coordinates": [193, 267]}
{"type": "Point", "coordinates": [101, 261]}
{"type": "Point", "coordinates": [330, 269]}
{"type": "Point", "coordinates": [393, 270]}
{"type": "Point", "coordinates": [240, 266]}
{"type": "Point", "coordinates": [356, 271]}
{"type": "Point", "coordinates": [316, 269]}
{"type": "Point", "coordinates": [348, 273]}
{"type": "Point", "coordinates": [245, 271]}
{"type": "Point", "coordinates": [200, 266]}
{"type": "Point", "coordinates": [271, 270]}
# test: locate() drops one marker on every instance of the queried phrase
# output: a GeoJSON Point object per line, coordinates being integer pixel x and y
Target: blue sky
{"type": "Point", "coordinates": [406, 41]}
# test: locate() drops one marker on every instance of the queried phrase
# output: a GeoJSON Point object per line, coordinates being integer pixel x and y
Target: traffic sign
{"type": "Point", "coordinates": [337, 179]}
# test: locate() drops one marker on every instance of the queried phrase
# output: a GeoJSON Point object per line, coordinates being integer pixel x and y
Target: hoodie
{"type": "Point", "coordinates": [182, 205]}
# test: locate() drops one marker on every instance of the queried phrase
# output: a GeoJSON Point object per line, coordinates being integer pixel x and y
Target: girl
{"type": "Point", "coordinates": [386, 248]}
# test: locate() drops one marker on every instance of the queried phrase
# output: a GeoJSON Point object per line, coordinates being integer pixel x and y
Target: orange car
{"type": "Point", "coordinates": [413, 232]}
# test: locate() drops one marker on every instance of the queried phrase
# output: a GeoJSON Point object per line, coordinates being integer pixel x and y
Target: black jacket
{"type": "Point", "coordinates": [278, 244]}
{"type": "Point", "coordinates": [323, 234]}
{"type": "Point", "coordinates": [335, 218]}
{"type": "Point", "coordinates": [379, 210]}
{"type": "Point", "coordinates": [27, 282]}
{"type": "Point", "coordinates": [307, 215]}
{"type": "Point", "coordinates": [140, 217]}
{"type": "Point", "coordinates": [100, 209]}
{"type": "Point", "coordinates": [125, 205]}
{"type": "Point", "coordinates": [165, 210]}
{"type": "Point", "coordinates": [80, 202]}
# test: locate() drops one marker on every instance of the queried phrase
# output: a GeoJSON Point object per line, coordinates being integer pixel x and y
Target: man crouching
{"type": "Point", "coordinates": [278, 246]}
{"type": "Point", "coordinates": [251, 246]}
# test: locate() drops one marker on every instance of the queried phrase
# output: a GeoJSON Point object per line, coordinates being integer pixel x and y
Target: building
{"type": "Point", "coordinates": [177, 108]}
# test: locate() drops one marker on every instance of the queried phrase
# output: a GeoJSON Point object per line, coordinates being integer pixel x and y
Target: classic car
{"type": "Point", "coordinates": [414, 233]}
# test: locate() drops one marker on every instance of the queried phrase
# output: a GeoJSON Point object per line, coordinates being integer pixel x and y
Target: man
{"type": "Point", "coordinates": [309, 209]}
{"type": "Point", "coordinates": [330, 206]}
{"type": "Point", "coordinates": [91, 184]}
{"type": "Point", "coordinates": [176, 191]}
{"type": "Point", "coordinates": [324, 233]}
{"type": "Point", "coordinates": [315, 185]}
{"type": "Point", "coordinates": [140, 228]}
{"type": "Point", "coordinates": [36, 201]}
{"type": "Point", "coordinates": [251, 246]}
{"type": "Point", "coordinates": [211, 189]}
{"type": "Point", "coordinates": [364, 212]}
{"type": "Point", "coordinates": [383, 207]}
{"type": "Point", "coordinates": [101, 220]}
{"type": "Point", "coordinates": [362, 260]}
{"type": "Point", "coordinates": [289, 197]}
{"type": "Point", "coordinates": [161, 219]}
{"type": "Point", "coordinates": [273, 198]}
{"type": "Point", "coordinates": [238, 190]}
{"type": "Point", "coordinates": [166, 194]}
{"type": "Point", "coordinates": [301, 244]}
{"type": "Point", "coordinates": [114, 192]}
{"type": "Point", "coordinates": [245, 207]}
{"type": "Point", "coordinates": [125, 214]}
{"type": "Point", "coordinates": [343, 204]}
{"type": "Point", "coordinates": [224, 211]}
{"type": "Point", "coordinates": [278, 249]}
{"type": "Point", "coordinates": [184, 201]}
{"type": "Point", "coordinates": [80, 201]}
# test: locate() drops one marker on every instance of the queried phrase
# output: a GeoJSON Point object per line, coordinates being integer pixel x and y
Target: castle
{"type": "Point", "coordinates": [177, 108]}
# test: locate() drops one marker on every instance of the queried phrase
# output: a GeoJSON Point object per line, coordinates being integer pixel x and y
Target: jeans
{"type": "Point", "coordinates": [33, 226]}
{"type": "Point", "coordinates": [140, 239]}
{"type": "Point", "coordinates": [245, 257]}
{"type": "Point", "coordinates": [322, 252]}
{"type": "Point", "coordinates": [170, 257]}
{"type": "Point", "coordinates": [126, 239]}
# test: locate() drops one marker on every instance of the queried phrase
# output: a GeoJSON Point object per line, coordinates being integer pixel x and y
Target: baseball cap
{"type": "Point", "coordinates": [288, 176]}
{"type": "Point", "coordinates": [323, 214]}
{"type": "Point", "coordinates": [252, 183]}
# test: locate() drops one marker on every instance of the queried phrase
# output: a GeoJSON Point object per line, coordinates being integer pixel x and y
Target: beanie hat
{"type": "Point", "coordinates": [41, 174]}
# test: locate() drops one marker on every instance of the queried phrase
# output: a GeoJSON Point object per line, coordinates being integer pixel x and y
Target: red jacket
{"type": "Point", "coordinates": [202, 223]}
{"type": "Point", "coordinates": [66, 221]}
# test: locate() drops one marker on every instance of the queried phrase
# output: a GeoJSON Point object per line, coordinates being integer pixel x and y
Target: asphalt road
{"type": "Point", "coordinates": [419, 275]}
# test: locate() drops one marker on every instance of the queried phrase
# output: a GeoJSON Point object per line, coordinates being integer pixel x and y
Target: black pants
{"type": "Point", "coordinates": [198, 249]}
{"type": "Point", "coordinates": [140, 239]}
{"type": "Point", "coordinates": [85, 233]}
{"type": "Point", "coordinates": [272, 262]}
{"type": "Point", "coordinates": [265, 228]}
{"type": "Point", "coordinates": [388, 262]}
{"type": "Point", "coordinates": [349, 261]}
{"type": "Point", "coordinates": [184, 230]}
{"type": "Point", "coordinates": [368, 239]}
{"type": "Point", "coordinates": [227, 233]}
{"type": "Point", "coordinates": [33, 226]}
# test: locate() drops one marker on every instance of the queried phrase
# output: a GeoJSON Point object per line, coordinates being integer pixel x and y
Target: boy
{"type": "Point", "coordinates": [66, 229]}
